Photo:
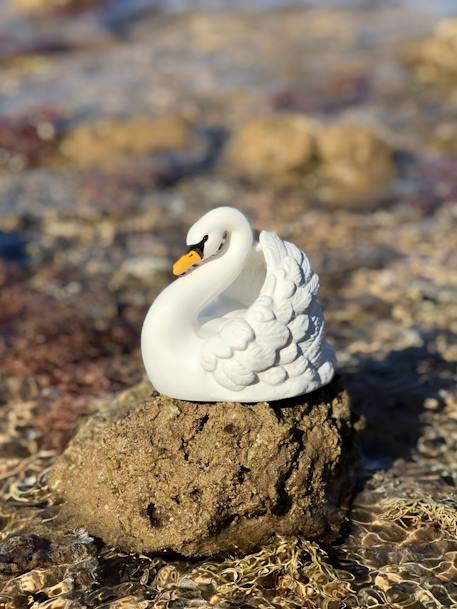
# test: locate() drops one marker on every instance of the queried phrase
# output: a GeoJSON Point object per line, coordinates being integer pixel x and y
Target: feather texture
{"type": "Point", "coordinates": [280, 337]}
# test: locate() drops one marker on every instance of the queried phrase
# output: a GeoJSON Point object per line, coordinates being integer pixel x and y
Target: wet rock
{"type": "Point", "coordinates": [434, 60]}
{"type": "Point", "coordinates": [111, 142]}
{"type": "Point", "coordinates": [356, 165]}
{"type": "Point", "coordinates": [273, 145]}
{"type": "Point", "coordinates": [21, 552]}
{"type": "Point", "coordinates": [202, 479]}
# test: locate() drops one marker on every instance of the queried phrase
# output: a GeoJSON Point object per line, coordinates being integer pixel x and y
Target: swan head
{"type": "Point", "coordinates": [208, 235]}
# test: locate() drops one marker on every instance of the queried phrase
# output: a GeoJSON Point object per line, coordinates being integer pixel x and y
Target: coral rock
{"type": "Point", "coordinates": [202, 479]}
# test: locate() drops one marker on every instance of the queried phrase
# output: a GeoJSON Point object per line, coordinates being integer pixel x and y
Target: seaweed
{"type": "Point", "coordinates": [412, 511]}
{"type": "Point", "coordinates": [75, 287]}
{"type": "Point", "coordinates": [291, 566]}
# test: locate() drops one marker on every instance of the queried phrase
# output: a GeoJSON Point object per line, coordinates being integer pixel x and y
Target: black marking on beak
{"type": "Point", "coordinates": [198, 247]}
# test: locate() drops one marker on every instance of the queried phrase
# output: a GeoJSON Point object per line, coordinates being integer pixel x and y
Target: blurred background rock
{"type": "Point", "coordinates": [333, 123]}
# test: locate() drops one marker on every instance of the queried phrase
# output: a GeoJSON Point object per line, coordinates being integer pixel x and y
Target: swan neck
{"type": "Point", "coordinates": [211, 278]}
{"type": "Point", "coordinates": [171, 332]}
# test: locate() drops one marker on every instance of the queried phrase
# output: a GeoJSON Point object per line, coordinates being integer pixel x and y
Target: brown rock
{"type": "Point", "coordinates": [202, 479]}
{"type": "Point", "coordinates": [111, 142]}
{"type": "Point", "coordinates": [343, 164]}
{"type": "Point", "coordinates": [20, 553]}
{"type": "Point", "coordinates": [434, 60]}
{"type": "Point", "coordinates": [444, 138]}
{"type": "Point", "coordinates": [273, 145]}
{"type": "Point", "coordinates": [356, 165]}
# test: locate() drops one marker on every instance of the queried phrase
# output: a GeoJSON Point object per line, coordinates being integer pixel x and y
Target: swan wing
{"type": "Point", "coordinates": [280, 337]}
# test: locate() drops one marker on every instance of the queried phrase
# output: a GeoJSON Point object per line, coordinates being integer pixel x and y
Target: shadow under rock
{"type": "Point", "coordinates": [390, 395]}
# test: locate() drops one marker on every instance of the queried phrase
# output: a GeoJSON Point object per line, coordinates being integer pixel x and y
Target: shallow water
{"type": "Point", "coordinates": [84, 246]}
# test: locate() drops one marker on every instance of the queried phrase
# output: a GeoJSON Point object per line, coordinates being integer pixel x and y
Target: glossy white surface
{"type": "Point", "coordinates": [244, 325]}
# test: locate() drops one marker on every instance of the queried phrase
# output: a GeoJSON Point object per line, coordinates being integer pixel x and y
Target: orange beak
{"type": "Point", "coordinates": [185, 262]}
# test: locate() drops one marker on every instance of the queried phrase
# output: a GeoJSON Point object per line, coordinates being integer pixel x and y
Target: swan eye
{"type": "Point", "coordinates": [199, 247]}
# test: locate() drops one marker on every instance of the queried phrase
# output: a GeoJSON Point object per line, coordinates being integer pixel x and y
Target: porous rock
{"type": "Point", "coordinates": [157, 474]}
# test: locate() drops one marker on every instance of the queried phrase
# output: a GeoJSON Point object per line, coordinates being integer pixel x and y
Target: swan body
{"type": "Point", "coordinates": [243, 324]}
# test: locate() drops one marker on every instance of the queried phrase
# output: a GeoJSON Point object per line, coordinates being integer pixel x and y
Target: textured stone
{"type": "Point", "coordinates": [110, 142]}
{"type": "Point", "coordinates": [202, 479]}
{"type": "Point", "coordinates": [434, 59]}
{"type": "Point", "coordinates": [356, 165]}
{"type": "Point", "coordinates": [273, 145]}
{"type": "Point", "coordinates": [344, 164]}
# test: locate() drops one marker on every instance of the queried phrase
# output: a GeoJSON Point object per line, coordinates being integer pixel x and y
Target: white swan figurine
{"type": "Point", "coordinates": [242, 323]}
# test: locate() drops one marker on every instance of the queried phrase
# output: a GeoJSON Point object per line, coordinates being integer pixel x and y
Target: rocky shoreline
{"type": "Point", "coordinates": [119, 126]}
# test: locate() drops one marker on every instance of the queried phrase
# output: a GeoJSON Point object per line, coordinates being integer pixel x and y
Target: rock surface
{"type": "Point", "coordinates": [202, 479]}
{"type": "Point", "coordinates": [356, 165]}
{"type": "Point", "coordinates": [434, 59]}
{"type": "Point", "coordinates": [273, 145]}
{"type": "Point", "coordinates": [345, 164]}
{"type": "Point", "coordinates": [103, 144]}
